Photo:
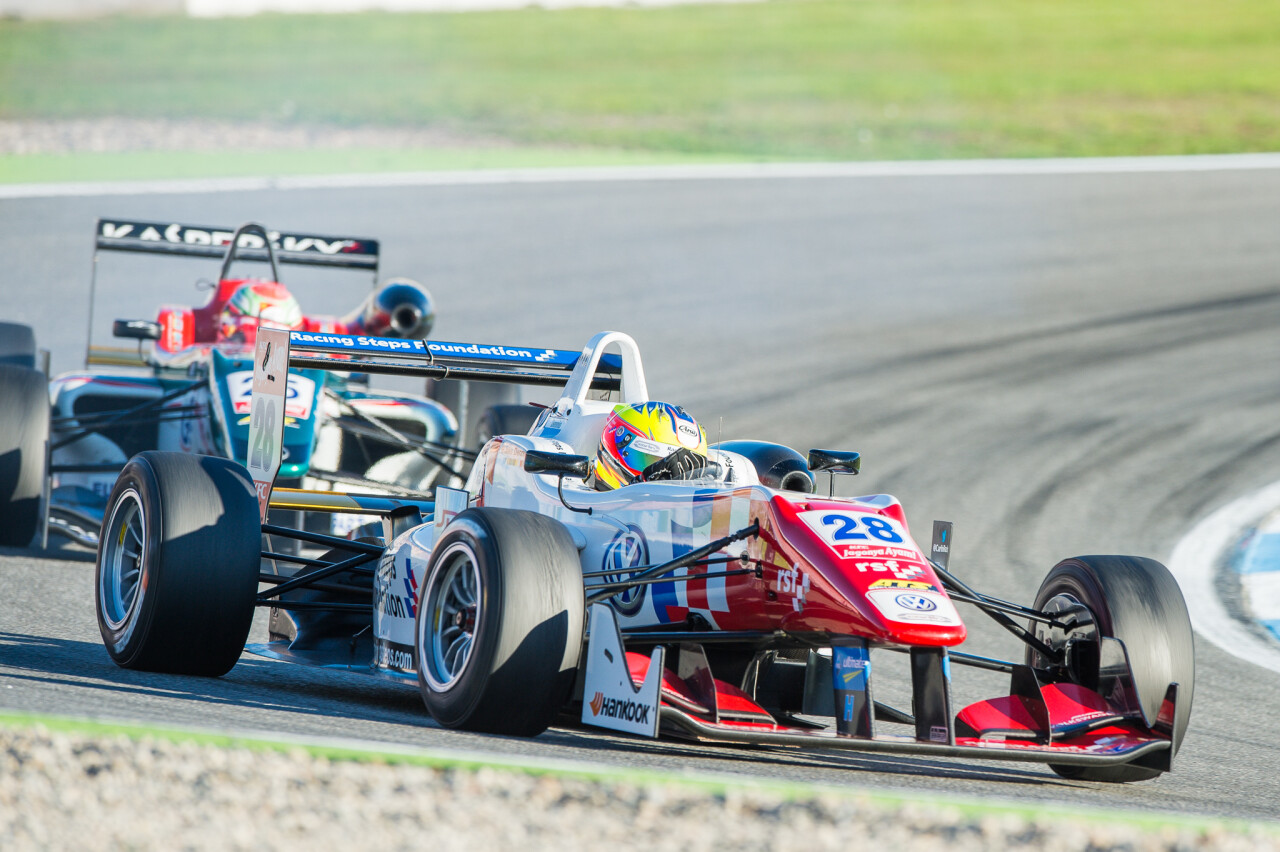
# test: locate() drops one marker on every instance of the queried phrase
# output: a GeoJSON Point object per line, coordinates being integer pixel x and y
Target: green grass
{"type": "Point", "coordinates": [794, 79]}
{"type": "Point", "coordinates": [712, 784]}
{"type": "Point", "coordinates": [162, 165]}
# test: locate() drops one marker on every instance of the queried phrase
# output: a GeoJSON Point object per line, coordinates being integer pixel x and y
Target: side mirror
{"type": "Point", "coordinates": [835, 461]}
{"type": "Point", "coordinates": [564, 464]}
{"type": "Point", "coordinates": [136, 329]}
{"type": "Point", "coordinates": [539, 461]}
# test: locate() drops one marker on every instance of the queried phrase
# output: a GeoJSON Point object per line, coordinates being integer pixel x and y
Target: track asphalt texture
{"type": "Point", "coordinates": [1059, 364]}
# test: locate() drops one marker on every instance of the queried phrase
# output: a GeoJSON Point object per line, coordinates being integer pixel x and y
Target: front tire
{"type": "Point", "coordinates": [1137, 601]}
{"type": "Point", "coordinates": [178, 557]}
{"type": "Point", "coordinates": [24, 432]}
{"type": "Point", "coordinates": [500, 622]}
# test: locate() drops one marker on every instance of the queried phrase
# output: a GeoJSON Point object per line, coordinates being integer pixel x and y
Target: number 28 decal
{"type": "Point", "coordinates": [844, 528]}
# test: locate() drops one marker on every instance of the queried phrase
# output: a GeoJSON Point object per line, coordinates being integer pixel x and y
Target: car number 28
{"type": "Point", "coordinates": [840, 528]}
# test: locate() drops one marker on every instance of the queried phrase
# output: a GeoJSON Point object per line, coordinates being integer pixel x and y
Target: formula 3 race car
{"type": "Point", "coordinates": [189, 391]}
{"type": "Point", "coordinates": [730, 605]}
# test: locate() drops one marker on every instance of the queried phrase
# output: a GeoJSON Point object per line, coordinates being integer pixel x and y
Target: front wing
{"type": "Point", "coordinates": [1059, 724]}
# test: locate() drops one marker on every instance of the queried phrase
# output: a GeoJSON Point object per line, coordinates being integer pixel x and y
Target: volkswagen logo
{"type": "Point", "coordinates": [622, 556]}
{"type": "Point", "coordinates": [917, 602]}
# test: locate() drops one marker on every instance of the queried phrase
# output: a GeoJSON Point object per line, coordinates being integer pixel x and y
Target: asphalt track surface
{"type": "Point", "coordinates": [1058, 364]}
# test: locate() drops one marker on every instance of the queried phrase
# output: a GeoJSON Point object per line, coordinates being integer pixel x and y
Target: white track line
{"type": "Point", "coordinates": [728, 171]}
{"type": "Point", "coordinates": [1194, 564]}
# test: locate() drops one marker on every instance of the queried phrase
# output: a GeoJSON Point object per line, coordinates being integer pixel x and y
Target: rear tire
{"type": "Point", "coordinates": [24, 431]}
{"type": "Point", "coordinates": [17, 345]}
{"type": "Point", "coordinates": [178, 558]}
{"type": "Point", "coordinates": [500, 621]}
{"type": "Point", "coordinates": [469, 400]}
{"type": "Point", "coordinates": [1137, 601]}
{"type": "Point", "coordinates": [504, 420]}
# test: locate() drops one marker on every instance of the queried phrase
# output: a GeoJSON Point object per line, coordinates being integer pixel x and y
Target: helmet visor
{"type": "Point", "coordinates": [637, 453]}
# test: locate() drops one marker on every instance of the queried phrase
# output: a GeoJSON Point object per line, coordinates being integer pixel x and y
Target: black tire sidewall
{"type": "Point", "coordinates": [24, 432]}
{"type": "Point", "coordinates": [200, 565]}
{"type": "Point", "coordinates": [17, 345]}
{"type": "Point", "coordinates": [455, 704]}
{"type": "Point", "coordinates": [126, 642]}
{"type": "Point", "coordinates": [528, 629]}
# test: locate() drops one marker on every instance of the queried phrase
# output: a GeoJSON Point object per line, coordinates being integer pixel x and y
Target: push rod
{"type": "Point", "coordinates": [127, 412]}
{"type": "Point", "coordinates": [998, 617]}
{"type": "Point", "coordinates": [690, 558]}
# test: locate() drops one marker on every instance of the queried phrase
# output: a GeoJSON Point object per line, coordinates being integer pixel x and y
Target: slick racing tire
{"type": "Point", "coordinates": [1137, 601]}
{"type": "Point", "coordinates": [504, 420]}
{"type": "Point", "coordinates": [499, 624]}
{"type": "Point", "coordinates": [178, 560]}
{"type": "Point", "coordinates": [24, 430]}
{"type": "Point", "coordinates": [17, 345]}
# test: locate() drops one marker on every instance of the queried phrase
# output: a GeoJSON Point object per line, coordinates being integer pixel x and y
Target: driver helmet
{"type": "Point", "coordinates": [636, 436]}
{"type": "Point", "coordinates": [254, 304]}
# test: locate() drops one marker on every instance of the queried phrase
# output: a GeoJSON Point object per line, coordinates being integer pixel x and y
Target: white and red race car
{"type": "Point", "coordinates": [733, 606]}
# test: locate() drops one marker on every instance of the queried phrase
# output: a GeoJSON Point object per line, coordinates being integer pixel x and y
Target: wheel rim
{"type": "Point", "coordinates": [1079, 641]}
{"type": "Point", "coordinates": [448, 630]}
{"type": "Point", "coordinates": [123, 549]}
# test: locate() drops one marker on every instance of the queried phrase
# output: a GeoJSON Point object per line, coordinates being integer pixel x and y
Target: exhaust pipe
{"type": "Point", "coordinates": [399, 308]}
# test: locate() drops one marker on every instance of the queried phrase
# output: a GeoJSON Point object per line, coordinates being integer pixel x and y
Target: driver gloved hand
{"type": "Point", "coordinates": [678, 465]}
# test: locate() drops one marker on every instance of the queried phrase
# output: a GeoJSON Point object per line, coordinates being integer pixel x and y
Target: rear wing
{"type": "Point", "coordinates": [250, 241]}
{"type": "Point", "coordinates": [174, 238]}
{"type": "Point", "coordinates": [438, 359]}
{"type": "Point", "coordinates": [278, 350]}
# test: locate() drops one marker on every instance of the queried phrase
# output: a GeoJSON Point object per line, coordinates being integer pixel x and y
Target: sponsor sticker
{"type": "Point", "coordinates": [624, 709]}
{"type": "Point", "coordinates": [921, 607]}
{"type": "Point", "coordinates": [395, 597]}
{"type": "Point", "coordinates": [793, 582]}
{"type": "Point", "coordinates": [940, 547]}
{"type": "Point", "coordinates": [919, 603]}
{"type": "Point", "coordinates": [622, 556]}
{"type": "Point", "coordinates": [688, 434]}
{"type": "Point", "coordinates": [901, 569]}
{"type": "Point", "coordinates": [393, 656]}
{"type": "Point", "coordinates": [615, 701]}
{"type": "Point", "coordinates": [267, 414]}
{"type": "Point", "coordinates": [299, 396]}
{"type": "Point", "coordinates": [851, 677]}
{"type": "Point", "coordinates": [195, 235]}
{"type": "Point", "coordinates": [851, 666]}
{"type": "Point", "coordinates": [493, 352]}
{"type": "Point", "coordinates": [904, 585]}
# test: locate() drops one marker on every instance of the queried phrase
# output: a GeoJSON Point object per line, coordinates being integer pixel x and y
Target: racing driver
{"type": "Point", "coordinates": [648, 442]}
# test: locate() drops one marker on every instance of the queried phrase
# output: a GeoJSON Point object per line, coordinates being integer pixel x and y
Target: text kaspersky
{"type": "Point", "coordinates": [620, 708]}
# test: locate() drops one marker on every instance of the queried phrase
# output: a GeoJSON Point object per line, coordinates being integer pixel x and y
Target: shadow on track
{"type": "Point", "coordinates": [59, 548]}
{"type": "Point", "coordinates": [257, 684]}
{"type": "Point", "coordinates": [904, 768]}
